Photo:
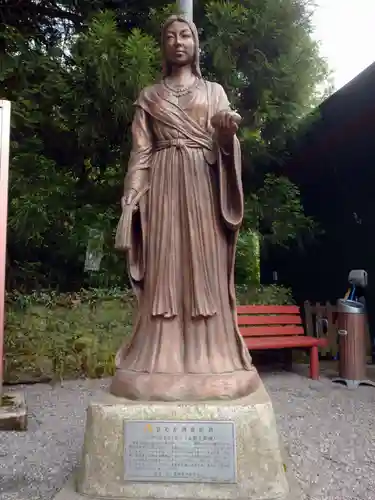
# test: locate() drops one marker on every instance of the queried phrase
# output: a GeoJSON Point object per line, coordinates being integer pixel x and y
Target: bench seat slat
{"type": "Point", "coordinates": [271, 331]}
{"type": "Point", "coordinates": [269, 320]}
{"type": "Point", "coordinates": [254, 343]}
{"type": "Point", "coordinates": [253, 309]}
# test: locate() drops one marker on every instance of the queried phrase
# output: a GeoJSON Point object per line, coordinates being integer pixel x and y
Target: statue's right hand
{"type": "Point", "coordinates": [128, 197]}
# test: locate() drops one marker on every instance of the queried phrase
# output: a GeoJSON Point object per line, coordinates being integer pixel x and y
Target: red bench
{"type": "Point", "coordinates": [278, 327]}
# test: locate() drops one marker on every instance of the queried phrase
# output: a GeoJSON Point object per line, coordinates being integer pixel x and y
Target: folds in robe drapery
{"type": "Point", "coordinates": [228, 170]}
{"type": "Point", "coordinates": [186, 343]}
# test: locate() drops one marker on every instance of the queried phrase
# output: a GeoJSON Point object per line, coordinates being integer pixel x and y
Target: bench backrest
{"type": "Point", "coordinates": [269, 321]}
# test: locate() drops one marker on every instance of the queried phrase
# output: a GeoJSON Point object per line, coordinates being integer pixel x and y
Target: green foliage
{"type": "Point", "coordinates": [70, 117]}
{"type": "Point", "coordinates": [113, 68]}
{"type": "Point", "coordinates": [248, 258]}
{"type": "Point", "coordinates": [73, 70]}
{"type": "Point", "coordinates": [263, 53]}
{"type": "Point", "coordinates": [264, 295]}
{"type": "Point", "coordinates": [276, 212]}
{"type": "Point", "coordinates": [51, 336]}
{"type": "Point", "coordinates": [55, 336]}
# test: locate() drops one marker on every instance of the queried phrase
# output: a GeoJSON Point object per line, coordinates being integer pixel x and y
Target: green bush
{"type": "Point", "coordinates": [248, 258]}
{"type": "Point", "coordinates": [50, 336]}
{"type": "Point", "coordinates": [264, 295]}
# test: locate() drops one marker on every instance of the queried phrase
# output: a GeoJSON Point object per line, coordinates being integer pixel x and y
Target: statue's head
{"type": "Point", "coordinates": [180, 44]}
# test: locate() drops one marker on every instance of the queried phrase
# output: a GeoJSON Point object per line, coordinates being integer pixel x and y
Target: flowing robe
{"type": "Point", "coordinates": [185, 343]}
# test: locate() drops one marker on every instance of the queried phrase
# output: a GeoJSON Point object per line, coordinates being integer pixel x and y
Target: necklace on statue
{"type": "Point", "coordinates": [180, 91]}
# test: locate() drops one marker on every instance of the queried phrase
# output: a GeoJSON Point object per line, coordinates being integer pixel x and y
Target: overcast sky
{"type": "Point", "coordinates": [346, 29]}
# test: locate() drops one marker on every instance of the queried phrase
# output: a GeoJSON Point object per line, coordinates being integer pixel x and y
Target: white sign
{"type": "Point", "coordinates": [176, 451]}
{"type": "Point", "coordinates": [94, 251]}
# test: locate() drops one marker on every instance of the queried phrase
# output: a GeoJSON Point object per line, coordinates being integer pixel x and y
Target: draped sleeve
{"type": "Point", "coordinates": [137, 176]}
{"type": "Point", "coordinates": [229, 171]}
{"type": "Point", "coordinates": [133, 223]}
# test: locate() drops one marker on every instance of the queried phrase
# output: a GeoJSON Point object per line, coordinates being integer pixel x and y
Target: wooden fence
{"type": "Point", "coordinates": [321, 321]}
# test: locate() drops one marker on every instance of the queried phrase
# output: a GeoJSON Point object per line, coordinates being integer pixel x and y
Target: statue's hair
{"type": "Point", "coordinates": [195, 64]}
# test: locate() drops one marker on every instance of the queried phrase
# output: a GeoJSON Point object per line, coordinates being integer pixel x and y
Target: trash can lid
{"type": "Point", "coordinates": [350, 306]}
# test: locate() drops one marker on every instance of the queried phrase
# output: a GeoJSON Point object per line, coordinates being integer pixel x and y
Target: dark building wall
{"type": "Point", "coordinates": [341, 198]}
{"type": "Point", "coordinates": [335, 170]}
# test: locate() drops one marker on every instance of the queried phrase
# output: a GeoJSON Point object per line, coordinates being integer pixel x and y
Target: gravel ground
{"type": "Point", "coordinates": [328, 431]}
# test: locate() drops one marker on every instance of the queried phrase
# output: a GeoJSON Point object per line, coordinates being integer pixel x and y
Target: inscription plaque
{"type": "Point", "coordinates": [180, 451]}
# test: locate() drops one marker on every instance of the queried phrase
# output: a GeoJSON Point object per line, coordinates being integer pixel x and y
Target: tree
{"type": "Point", "coordinates": [263, 52]}
{"type": "Point", "coordinates": [53, 21]}
{"type": "Point", "coordinates": [73, 105]}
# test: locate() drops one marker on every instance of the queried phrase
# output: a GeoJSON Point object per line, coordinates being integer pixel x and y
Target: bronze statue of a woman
{"type": "Point", "coordinates": [184, 195]}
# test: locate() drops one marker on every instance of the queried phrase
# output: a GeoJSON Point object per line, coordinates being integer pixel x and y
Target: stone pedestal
{"type": "Point", "coordinates": [13, 412]}
{"type": "Point", "coordinates": [260, 471]}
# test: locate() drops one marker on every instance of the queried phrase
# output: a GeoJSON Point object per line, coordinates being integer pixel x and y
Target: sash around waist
{"type": "Point", "coordinates": [182, 142]}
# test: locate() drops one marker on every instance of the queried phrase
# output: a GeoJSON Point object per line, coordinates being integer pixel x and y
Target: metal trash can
{"type": "Point", "coordinates": [352, 343]}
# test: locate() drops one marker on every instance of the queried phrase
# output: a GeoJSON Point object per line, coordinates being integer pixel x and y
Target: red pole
{"type": "Point", "coordinates": [4, 175]}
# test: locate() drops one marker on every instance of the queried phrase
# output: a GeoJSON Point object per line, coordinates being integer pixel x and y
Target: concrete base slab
{"type": "Point", "coordinates": [13, 412]}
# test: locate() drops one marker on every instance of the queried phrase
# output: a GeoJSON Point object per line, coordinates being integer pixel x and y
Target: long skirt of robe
{"type": "Point", "coordinates": [186, 236]}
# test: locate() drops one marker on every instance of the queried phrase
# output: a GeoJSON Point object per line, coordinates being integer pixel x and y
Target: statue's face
{"type": "Point", "coordinates": [179, 44]}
